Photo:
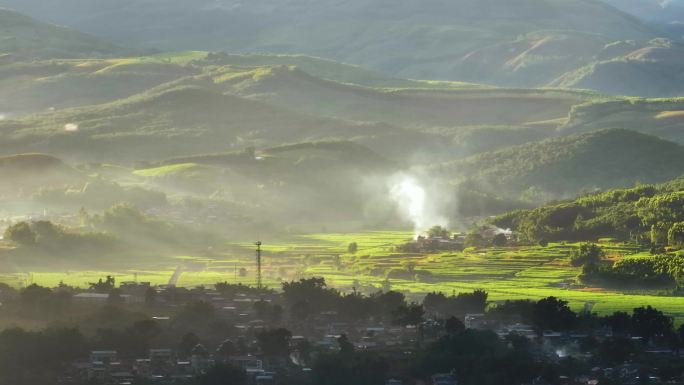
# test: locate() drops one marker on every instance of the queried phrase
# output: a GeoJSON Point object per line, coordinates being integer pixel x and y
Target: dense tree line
{"type": "Point", "coordinates": [648, 213]}
{"type": "Point", "coordinates": [658, 271]}
{"type": "Point", "coordinates": [456, 305]}
{"type": "Point", "coordinates": [307, 297]}
{"type": "Point", "coordinates": [541, 170]}
{"type": "Point", "coordinates": [121, 225]}
{"type": "Point", "coordinates": [57, 240]}
{"type": "Point", "coordinates": [664, 270]}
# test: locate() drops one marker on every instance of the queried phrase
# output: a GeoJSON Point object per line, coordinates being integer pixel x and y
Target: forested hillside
{"type": "Point", "coordinates": [660, 117]}
{"type": "Point", "coordinates": [646, 213]}
{"type": "Point", "coordinates": [566, 166]}
{"type": "Point", "coordinates": [26, 38]}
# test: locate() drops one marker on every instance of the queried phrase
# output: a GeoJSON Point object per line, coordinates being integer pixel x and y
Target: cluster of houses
{"type": "Point", "coordinates": [161, 366]}
{"type": "Point", "coordinates": [425, 243]}
{"type": "Point", "coordinates": [550, 346]}
{"type": "Point", "coordinates": [321, 332]}
{"type": "Point", "coordinates": [487, 234]}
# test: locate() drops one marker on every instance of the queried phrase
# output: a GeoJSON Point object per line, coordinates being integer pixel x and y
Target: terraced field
{"type": "Point", "coordinates": [506, 273]}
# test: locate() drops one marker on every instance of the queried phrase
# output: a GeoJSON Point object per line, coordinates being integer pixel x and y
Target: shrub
{"type": "Point", "coordinates": [587, 254]}
{"type": "Point", "coordinates": [675, 236]}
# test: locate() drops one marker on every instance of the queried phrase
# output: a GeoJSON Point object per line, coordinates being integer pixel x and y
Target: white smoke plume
{"type": "Point", "coordinates": [417, 201]}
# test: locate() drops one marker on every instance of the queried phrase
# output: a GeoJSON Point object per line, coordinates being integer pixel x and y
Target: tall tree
{"type": "Point", "coordinates": [675, 236]}
{"type": "Point", "coordinates": [274, 342]}
{"type": "Point", "coordinates": [648, 322]}
{"type": "Point", "coordinates": [587, 254]}
{"type": "Point", "coordinates": [409, 315]}
{"type": "Point", "coordinates": [552, 313]}
{"type": "Point", "coordinates": [438, 232]}
{"type": "Point", "coordinates": [21, 233]}
{"type": "Point", "coordinates": [223, 374]}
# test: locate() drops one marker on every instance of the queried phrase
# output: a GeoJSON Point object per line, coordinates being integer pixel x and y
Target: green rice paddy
{"type": "Point", "coordinates": [506, 273]}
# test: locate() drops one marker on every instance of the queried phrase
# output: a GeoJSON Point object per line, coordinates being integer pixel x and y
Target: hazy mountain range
{"type": "Point", "coordinates": [502, 121]}
{"type": "Point", "coordinates": [656, 11]}
{"type": "Point", "coordinates": [522, 43]}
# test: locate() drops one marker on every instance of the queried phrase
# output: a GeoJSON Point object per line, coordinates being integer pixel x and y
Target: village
{"type": "Point", "coordinates": [280, 337]}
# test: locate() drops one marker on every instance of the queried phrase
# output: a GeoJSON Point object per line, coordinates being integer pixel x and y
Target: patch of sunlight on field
{"type": "Point", "coordinates": [336, 243]}
{"type": "Point", "coordinates": [670, 115]}
{"type": "Point", "coordinates": [14, 280]}
{"type": "Point", "coordinates": [530, 272]}
{"type": "Point", "coordinates": [374, 241]}
{"type": "Point", "coordinates": [506, 273]}
{"type": "Point", "coordinates": [82, 279]}
{"type": "Point", "coordinates": [174, 58]}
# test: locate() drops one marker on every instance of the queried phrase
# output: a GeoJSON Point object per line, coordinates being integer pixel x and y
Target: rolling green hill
{"type": "Point", "coordinates": [193, 105]}
{"type": "Point", "coordinates": [328, 69]}
{"type": "Point", "coordinates": [322, 179]}
{"type": "Point", "coordinates": [655, 11]}
{"type": "Point", "coordinates": [521, 43]}
{"type": "Point", "coordinates": [652, 69]}
{"type": "Point", "coordinates": [29, 161]}
{"type": "Point", "coordinates": [626, 214]}
{"type": "Point", "coordinates": [176, 121]}
{"type": "Point", "coordinates": [294, 89]}
{"type": "Point", "coordinates": [565, 166]}
{"type": "Point", "coordinates": [24, 38]}
{"type": "Point", "coordinates": [25, 173]}
{"type": "Point", "coordinates": [660, 117]}
{"type": "Point", "coordinates": [39, 85]}
{"type": "Point", "coordinates": [339, 152]}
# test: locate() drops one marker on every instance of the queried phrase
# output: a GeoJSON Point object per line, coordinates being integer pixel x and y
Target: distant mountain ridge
{"type": "Point", "coordinates": [24, 38]}
{"type": "Point", "coordinates": [661, 11]}
{"type": "Point", "coordinates": [523, 43]}
{"type": "Point", "coordinates": [159, 106]}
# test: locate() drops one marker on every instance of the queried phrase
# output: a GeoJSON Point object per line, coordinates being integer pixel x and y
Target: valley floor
{"type": "Point", "coordinates": [506, 273]}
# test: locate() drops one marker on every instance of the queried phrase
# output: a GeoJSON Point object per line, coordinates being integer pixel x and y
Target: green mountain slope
{"type": "Point", "coordinates": [329, 70]}
{"type": "Point", "coordinates": [294, 89]}
{"type": "Point", "coordinates": [176, 121]}
{"type": "Point", "coordinates": [660, 117]}
{"type": "Point", "coordinates": [23, 37]}
{"type": "Point", "coordinates": [652, 69]}
{"type": "Point", "coordinates": [568, 165]}
{"type": "Point", "coordinates": [39, 85]}
{"type": "Point", "coordinates": [626, 214]}
{"type": "Point", "coordinates": [21, 163]}
{"type": "Point", "coordinates": [23, 173]}
{"type": "Point", "coordinates": [192, 99]}
{"type": "Point", "coordinates": [321, 179]}
{"type": "Point", "coordinates": [503, 42]}
{"type": "Point", "coordinates": [655, 11]}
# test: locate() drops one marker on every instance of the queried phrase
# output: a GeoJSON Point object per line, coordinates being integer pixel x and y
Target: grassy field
{"type": "Point", "coordinates": [506, 273]}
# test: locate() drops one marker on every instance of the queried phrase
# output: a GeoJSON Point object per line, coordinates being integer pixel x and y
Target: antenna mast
{"type": "Point", "coordinates": [258, 263]}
